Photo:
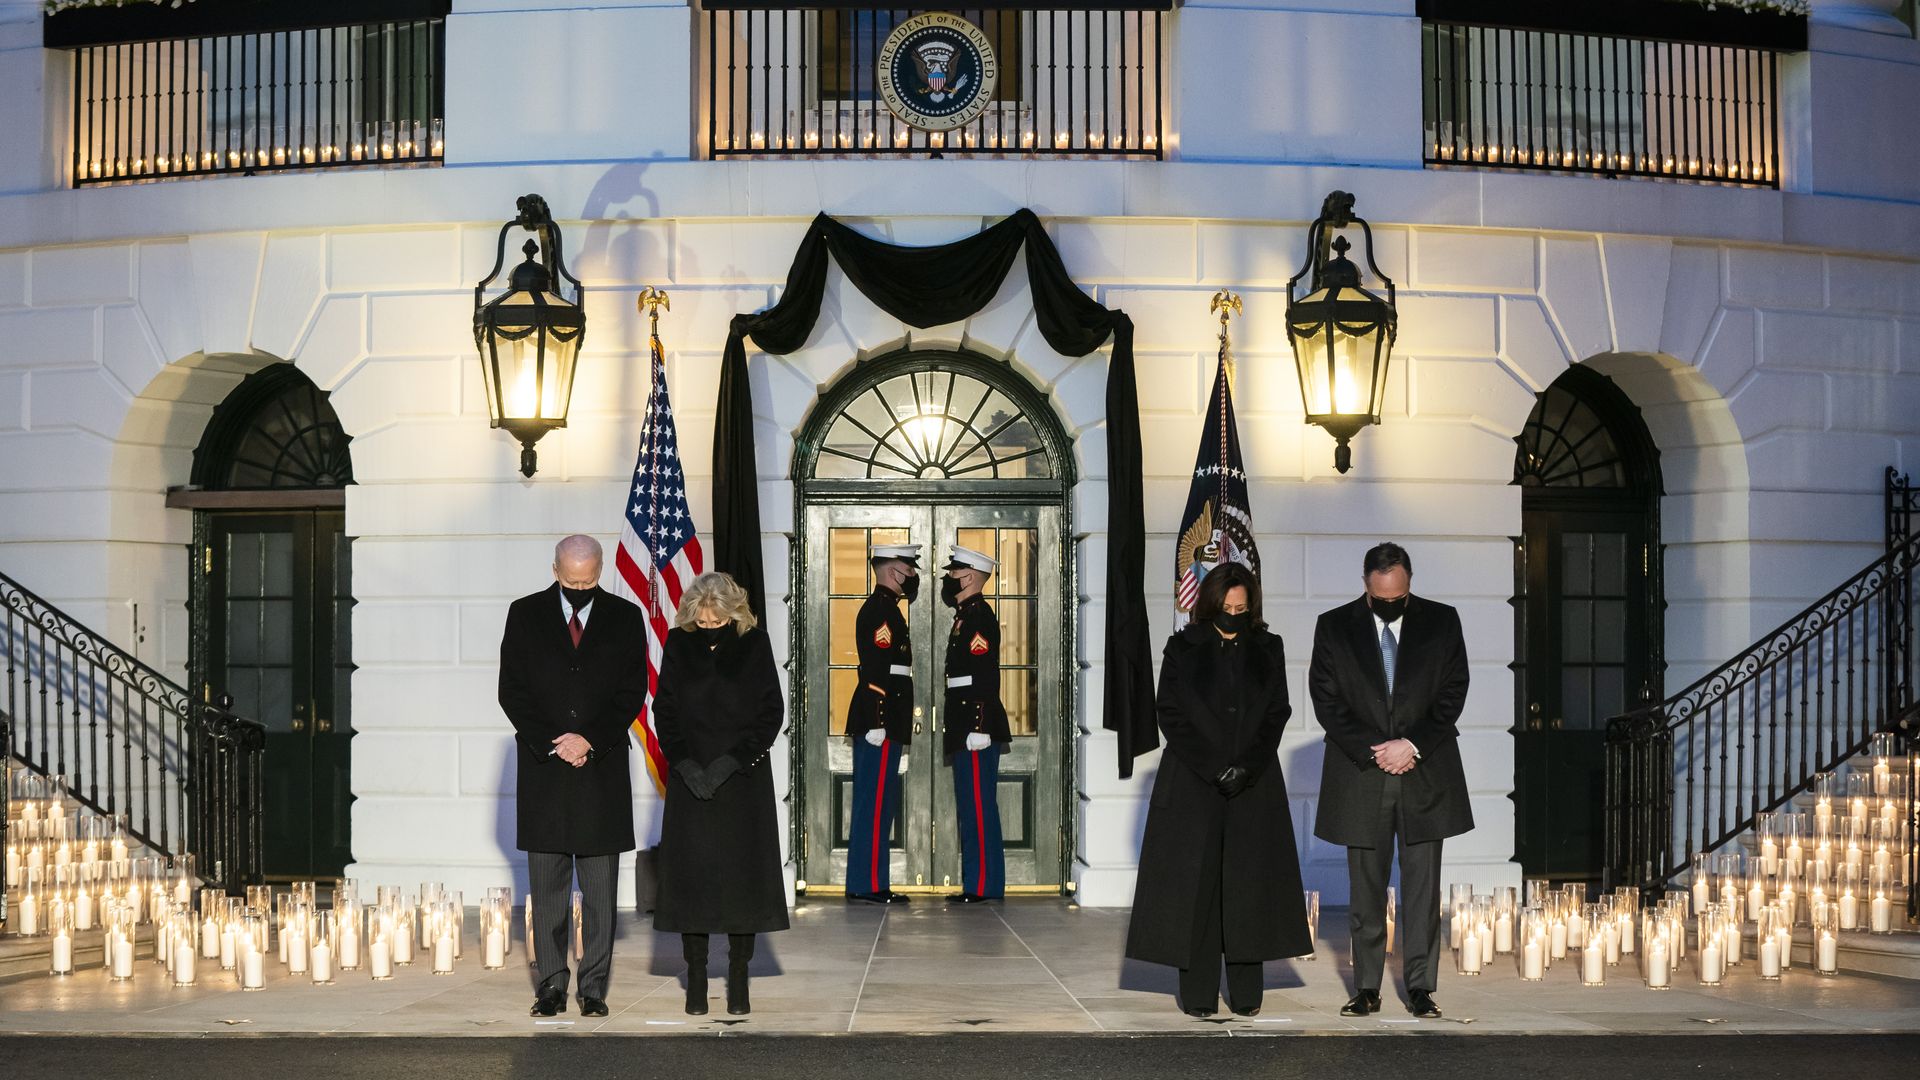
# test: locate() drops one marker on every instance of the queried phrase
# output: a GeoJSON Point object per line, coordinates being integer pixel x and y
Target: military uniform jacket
{"type": "Point", "coordinates": [973, 678]}
{"type": "Point", "coordinates": [886, 661]}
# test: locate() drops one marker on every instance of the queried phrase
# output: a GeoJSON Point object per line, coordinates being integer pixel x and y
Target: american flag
{"type": "Point", "coordinates": [659, 553]}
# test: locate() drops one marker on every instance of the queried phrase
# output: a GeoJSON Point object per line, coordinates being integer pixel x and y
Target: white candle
{"type": "Point", "coordinates": [36, 858]}
{"type": "Point", "coordinates": [1454, 931]}
{"type": "Point", "coordinates": [1731, 947]}
{"type": "Point", "coordinates": [282, 949]}
{"type": "Point", "coordinates": [82, 910]}
{"type": "Point", "coordinates": [1785, 937]}
{"type": "Point", "coordinates": [1829, 953]}
{"type": "Point", "coordinates": [381, 955]}
{"type": "Point", "coordinates": [1770, 958]}
{"type": "Point", "coordinates": [1470, 953]}
{"type": "Point", "coordinates": [495, 954]}
{"type": "Point", "coordinates": [1558, 949]}
{"type": "Point", "coordinates": [1756, 899]}
{"type": "Point", "coordinates": [1503, 933]}
{"type": "Point", "coordinates": [13, 867]}
{"type": "Point", "coordinates": [29, 915]}
{"type": "Point", "coordinates": [182, 892]}
{"type": "Point", "coordinates": [1626, 934]}
{"type": "Point", "coordinates": [1882, 861]}
{"type": "Point", "coordinates": [1486, 944]}
{"type": "Point", "coordinates": [63, 953]}
{"type": "Point", "coordinates": [403, 942]}
{"type": "Point", "coordinates": [1855, 857]}
{"type": "Point", "coordinates": [350, 948]}
{"type": "Point", "coordinates": [1882, 777]}
{"type": "Point", "coordinates": [253, 973]}
{"type": "Point", "coordinates": [120, 951]}
{"type": "Point", "coordinates": [1710, 962]}
{"type": "Point", "coordinates": [1770, 856]}
{"type": "Point", "coordinates": [1657, 963]}
{"type": "Point", "coordinates": [297, 956]}
{"type": "Point", "coordinates": [1822, 814]}
{"type": "Point", "coordinates": [443, 955]}
{"type": "Point", "coordinates": [1699, 895]}
{"type": "Point", "coordinates": [1593, 966]}
{"type": "Point", "coordinates": [1849, 912]}
{"type": "Point", "coordinates": [1533, 966]}
{"type": "Point", "coordinates": [1882, 918]}
{"type": "Point", "coordinates": [227, 955]}
{"type": "Point", "coordinates": [322, 962]}
{"type": "Point", "coordinates": [1610, 944]}
{"type": "Point", "coordinates": [183, 963]}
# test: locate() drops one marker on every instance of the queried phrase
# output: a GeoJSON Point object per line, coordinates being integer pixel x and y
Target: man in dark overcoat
{"type": "Point", "coordinates": [1388, 681]}
{"type": "Point", "coordinates": [573, 675]}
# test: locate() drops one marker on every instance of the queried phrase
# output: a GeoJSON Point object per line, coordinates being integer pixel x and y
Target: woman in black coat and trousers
{"type": "Point", "coordinates": [717, 709]}
{"type": "Point", "coordinates": [1219, 876]}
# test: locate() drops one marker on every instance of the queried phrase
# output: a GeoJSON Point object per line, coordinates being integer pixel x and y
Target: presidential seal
{"type": "Point", "coordinates": [937, 71]}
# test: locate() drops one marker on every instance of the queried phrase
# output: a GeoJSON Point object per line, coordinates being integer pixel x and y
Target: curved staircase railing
{"type": "Point", "coordinates": [1689, 774]}
{"type": "Point", "coordinates": [184, 775]}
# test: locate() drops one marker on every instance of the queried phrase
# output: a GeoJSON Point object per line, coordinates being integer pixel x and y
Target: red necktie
{"type": "Point", "coordinates": [574, 628]}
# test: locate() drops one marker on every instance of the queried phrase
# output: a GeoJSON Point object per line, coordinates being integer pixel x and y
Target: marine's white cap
{"type": "Point", "coordinates": [969, 559]}
{"type": "Point", "coordinates": [909, 552]}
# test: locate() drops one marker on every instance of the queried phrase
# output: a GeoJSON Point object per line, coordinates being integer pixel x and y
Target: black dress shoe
{"type": "Point", "coordinates": [888, 897]}
{"type": "Point", "coordinates": [1420, 1003]}
{"type": "Point", "coordinates": [1362, 1003]}
{"type": "Point", "coordinates": [966, 898]}
{"type": "Point", "coordinates": [592, 1006]}
{"type": "Point", "coordinates": [549, 1004]}
{"type": "Point", "coordinates": [1251, 1011]}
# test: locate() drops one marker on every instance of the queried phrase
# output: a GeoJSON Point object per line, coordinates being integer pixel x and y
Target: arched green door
{"type": "Point", "coordinates": [934, 449]}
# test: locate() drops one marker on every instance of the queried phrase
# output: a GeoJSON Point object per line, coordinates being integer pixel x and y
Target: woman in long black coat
{"type": "Point", "coordinates": [717, 709]}
{"type": "Point", "coordinates": [1219, 876]}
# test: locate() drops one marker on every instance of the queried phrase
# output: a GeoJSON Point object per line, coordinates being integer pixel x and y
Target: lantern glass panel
{"type": "Point", "coordinates": [529, 372]}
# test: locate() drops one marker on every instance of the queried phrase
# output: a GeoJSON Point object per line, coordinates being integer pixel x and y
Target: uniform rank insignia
{"type": "Point", "coordinates": [978, 646]}
{"type": "Point", "coordinates": [883, 637]}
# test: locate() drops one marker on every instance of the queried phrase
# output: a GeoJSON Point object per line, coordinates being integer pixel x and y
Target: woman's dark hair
{"type": "Point", "coordinates": [1214, 588]}
{"type": "Point", "coordinates": [1384, 557]}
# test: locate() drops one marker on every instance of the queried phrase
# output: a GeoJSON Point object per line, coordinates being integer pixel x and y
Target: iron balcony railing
{"type": "Point", "coordinates": [1689, 774]}
{"type": "Point", "coordinates": [1608, 104]}
{"type": "Point", "coordinates": [367, 94]}
{"type": "Point", "coordinates": [801, 81]}
{"type": "Point", "coordinates": [185, 776]}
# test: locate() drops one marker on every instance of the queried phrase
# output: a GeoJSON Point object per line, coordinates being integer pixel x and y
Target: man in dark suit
{"type": "Point", "coordinates": [573, 675]}
{"type": "Point", "coordinates": [1388, 682]}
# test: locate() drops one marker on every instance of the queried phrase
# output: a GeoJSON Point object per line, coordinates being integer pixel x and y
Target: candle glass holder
{"type": "Point", "coordinates": [502, 897]}
{"type": "Point", "coordinates": [1459, 899]}
{"type": "Point", "coordinates": [1506, 912]}
{"type": "Point", "coordinates": [1880, 902]}
{"type": "Point", "coordinates": [496, 928]}
{"type": "Point", "coordinates": [380, 935]}
{"type": "Point", "coordinates": [1770, 946]}
{"type": "Point", "coordinates": [442, 926]}
{"type": "Point", "coordinates": [1710, 962]}
{"type": "Point", "coordinates": [181, 943]}
{"type": "Point", "coordinates": [349, 920]}
{"type": "Point", "coordinates": [121, 939]}
{"type": "Point", "coordinates": [1826, 939]}
{"type": "Point", "coordinates": [60, 927]}
{"type": "Point", "coordinates": [252, 944]}
{"type": "Point", "coordinates": [1530, 955]}
{"type": "Point", "coordinates": [320, 953]}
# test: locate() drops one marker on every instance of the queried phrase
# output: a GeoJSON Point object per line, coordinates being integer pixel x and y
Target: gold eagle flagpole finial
{"type": "Point", "coordinates": [1226, 305]}
{"type": "Point", "coordinates": [650, 303]}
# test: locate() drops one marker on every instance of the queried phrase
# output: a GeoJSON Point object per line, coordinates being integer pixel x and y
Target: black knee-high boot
{"type": "Point", "coordinates": [739, 955]}
{"type": "Point", "coordinates": [694, 948]}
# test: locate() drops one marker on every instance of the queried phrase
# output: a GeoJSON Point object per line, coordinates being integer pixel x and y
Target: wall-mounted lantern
{"type": "Point", "coordinates": [1342, 334]}
{"type": "Point", "coordinates": [529, 336]}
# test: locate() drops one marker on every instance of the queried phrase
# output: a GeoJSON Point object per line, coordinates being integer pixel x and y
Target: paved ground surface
{"type": "Point", "coordinates": [883, 1057]}
{"type": "Point", "coordinates": [1030, 966]}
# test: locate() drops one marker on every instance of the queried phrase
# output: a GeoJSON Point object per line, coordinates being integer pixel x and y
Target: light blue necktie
{"type": "Point", "coordinates": [1386, 654]}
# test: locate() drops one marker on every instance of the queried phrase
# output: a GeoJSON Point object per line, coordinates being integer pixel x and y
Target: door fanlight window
{"type": "Point", "coordinates": [933, 424]}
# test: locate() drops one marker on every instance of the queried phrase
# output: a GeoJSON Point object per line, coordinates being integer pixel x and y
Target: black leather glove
{"type": "Point", "coordinates": [720, 770]}
{"type": "Point", "coordinates": [695, 778]}
{"type": "Point", "coordinates": [1233, 780]}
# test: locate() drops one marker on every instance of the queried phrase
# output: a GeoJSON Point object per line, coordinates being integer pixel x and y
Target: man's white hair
{"type": "Point", "coordinates": [577, 548]}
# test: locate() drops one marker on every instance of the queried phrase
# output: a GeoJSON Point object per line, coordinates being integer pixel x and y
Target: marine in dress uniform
{"type": "Point", "coordinates": [975, 725]}
{"type": "Point", "coordinates": [880, 720]}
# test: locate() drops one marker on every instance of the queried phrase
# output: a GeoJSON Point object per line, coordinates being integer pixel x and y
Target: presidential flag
{"type": "Point", "coordinates": [659, 554]}
{"type": "Point", "coordinates": [1218, 525]}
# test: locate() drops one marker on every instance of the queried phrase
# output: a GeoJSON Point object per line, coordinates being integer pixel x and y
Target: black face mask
{"type": "Point", "coordinates": [711, 636]}
{"type": "Point", "coordinates": [950, 591]}
{"type": "Point", "coordinates": [1388, 610]}
{"type": "Point", "coordinates": [579, 598]}
{"type": "Point", "coordinates": [1233, 623]}
{"type": "Point", "coordinates": [910, 588]}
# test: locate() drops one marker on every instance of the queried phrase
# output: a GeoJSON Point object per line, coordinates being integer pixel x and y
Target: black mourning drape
{"type": "Point", "coordinates": [929, 286]}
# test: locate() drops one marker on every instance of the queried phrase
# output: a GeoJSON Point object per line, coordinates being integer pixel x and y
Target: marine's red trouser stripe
{"type": "Point", "coordinates": [879, 804]}
{"type": "Point", "coordinates": [979, 824]}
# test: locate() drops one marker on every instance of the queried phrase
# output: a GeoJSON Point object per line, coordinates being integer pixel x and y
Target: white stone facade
{"type": "Point", "coordinates": [1771, 338]}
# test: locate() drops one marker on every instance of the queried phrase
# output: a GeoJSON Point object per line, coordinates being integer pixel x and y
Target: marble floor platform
{"type": "Point", "coordinates": [1028, 965]}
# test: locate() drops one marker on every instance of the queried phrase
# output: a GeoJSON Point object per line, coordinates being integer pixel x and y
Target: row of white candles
{"type": "Point", "coordinates": [1497, 154]}
{"type": "Point", "coordinates": [306, 939]}
{"type": "Point", "coordinates": [1605, 935]}
{"type": "Point", "coordinates": [384, 141]}
{"type": "Point", "coordinates": [845, 140]}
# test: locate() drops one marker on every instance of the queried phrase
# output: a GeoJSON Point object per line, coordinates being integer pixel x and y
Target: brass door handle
{"type": "Point", "coordinates": [323, 725]}
{"type": "Point", "coordinates": [299, 725]}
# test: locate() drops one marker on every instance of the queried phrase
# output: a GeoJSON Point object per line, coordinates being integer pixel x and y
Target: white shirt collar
{"type": "Point", "coordinates": [1380, 624]}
